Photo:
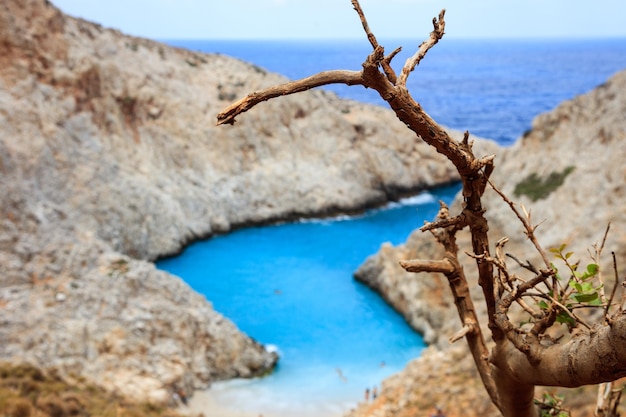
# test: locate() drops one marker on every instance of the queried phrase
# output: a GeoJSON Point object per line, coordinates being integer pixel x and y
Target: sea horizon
{"type": "Point", "coordinates": [381, 40]}
{"type": "Point", "coordinates": [492, 87]}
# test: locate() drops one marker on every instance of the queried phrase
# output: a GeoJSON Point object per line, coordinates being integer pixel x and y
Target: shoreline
{"type": "Point", "coordinates": [330, 213]}
{"type": "Point", "coordinates": [215, 401]}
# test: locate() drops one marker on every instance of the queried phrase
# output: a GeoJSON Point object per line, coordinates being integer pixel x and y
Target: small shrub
{"type": "Point", "coordinates": [259, 69]}
{"type": "Point", "coordinates": [53, 406]}
{"type": "Point", "coordinates": [118, 267]}
{"type": "Point", "coordinates": [73, 404]}
{"type": "Point", "coordinates": [128, 105]}
{"type": "Point", "coordinates": [536, 188]}
{"type": "Point", "coordinates": [28, 386]}
{"type": "Point", "coordinates": [20, 407]}
{"type": "Point", "coordinates": [26, 371]}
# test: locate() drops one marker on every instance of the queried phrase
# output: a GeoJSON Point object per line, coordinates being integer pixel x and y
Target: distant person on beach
{"type": "Point", "coordinates": [182, 396]}
{"type": "Point", "coordinates": [374, 393]}
{"type": "Point", "coordinates": [438, 412]}
{"type": "Point", "coordinates": [367, 394]}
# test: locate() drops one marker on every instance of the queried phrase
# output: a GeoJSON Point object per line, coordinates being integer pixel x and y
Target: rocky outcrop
{"type": "Point", "coordinates": [569, 171]}
{"type": "Point", "coordinates": [110, 158]}
{"type": "Point", "coordinates": [424, 301]}
{"type": "Point", "coordinates": [121, 132]}
{"type": "Point", "coordinates": [69, 302]}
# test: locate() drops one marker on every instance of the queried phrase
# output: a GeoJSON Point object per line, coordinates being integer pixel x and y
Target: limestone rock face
{"type": "Point", "coordinates": [424, 300]}
{"type": "Point", "coordinates": [110, 158]}
{"type": "Point", "coordinates": [584, 136]}
{"type": "Point", "coordinates": [122, 132]}
{"type": "Point", "coordinates": [71, 303]}
{"type": "Point", "coordinates": [576, 153]}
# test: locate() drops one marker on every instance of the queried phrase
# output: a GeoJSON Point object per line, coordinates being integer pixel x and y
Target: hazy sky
{"type": "Point", "coordinates": [297, 19]}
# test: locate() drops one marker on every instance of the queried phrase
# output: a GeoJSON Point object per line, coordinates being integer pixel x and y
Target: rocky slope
{"type": "Point", "coordinates": [122, 119]}
{"type": "Point", "coordinates": [109, 158]}
{"type": "Point", "coordinates": [569, 170]}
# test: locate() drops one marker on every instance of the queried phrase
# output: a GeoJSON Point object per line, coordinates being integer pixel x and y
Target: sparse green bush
{"type": "Point", "coordinates": [536, 188]}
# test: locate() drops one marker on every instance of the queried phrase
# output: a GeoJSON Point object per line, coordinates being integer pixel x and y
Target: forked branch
{"type": "Point", "coordinates": [453, 271]}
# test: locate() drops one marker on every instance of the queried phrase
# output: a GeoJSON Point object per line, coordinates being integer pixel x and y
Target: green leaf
{"type": "Point", "coordinates": [596, 302]}
{"type": "Point", "coordinates": [586, 298]}
{"type": "Point", "coordinates": [592, 271]}
{"type": "Point", "coordinates": [568, 254]}
{"type": "Point", "coordinates": [587, 288]}
{"type": "Point", "coordinates": [542, 305]}
{"type": "Point", "coordinates": [564, 318]}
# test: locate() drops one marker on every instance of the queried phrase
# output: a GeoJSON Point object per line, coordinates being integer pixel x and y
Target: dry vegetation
{"type": "Point", "coordinates": [27, 391]}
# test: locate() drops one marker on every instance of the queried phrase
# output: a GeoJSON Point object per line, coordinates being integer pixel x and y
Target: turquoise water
{"type": "Point", "coordinates": [290, 286]}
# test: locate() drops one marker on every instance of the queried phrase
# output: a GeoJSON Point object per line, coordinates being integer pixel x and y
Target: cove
{"type": "Point", "coordinates": [290, 286]}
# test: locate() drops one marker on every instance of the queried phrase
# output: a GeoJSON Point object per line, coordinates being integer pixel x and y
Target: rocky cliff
{"type": "Point", "coordinates": [109, 158]}
{"type": "Point", "coordinates": [569, 170]}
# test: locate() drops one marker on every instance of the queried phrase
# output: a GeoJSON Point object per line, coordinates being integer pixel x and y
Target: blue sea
{"type": "Point", "coordinates": [493, 88]}
{"type": "Point", "coordinates": [290, 286]}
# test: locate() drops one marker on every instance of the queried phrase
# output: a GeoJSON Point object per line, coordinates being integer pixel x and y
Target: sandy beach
{"type": "Point", "coordinates": [203, 403]}
{"type": "Point", "coordinates": [224, 400]}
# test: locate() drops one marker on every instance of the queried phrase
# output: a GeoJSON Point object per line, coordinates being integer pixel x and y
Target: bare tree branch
{"type": "Point", "coordinates": [589, 358]}
{"type": "Point", "coordinates": [386, 62]}
{"type": "Point", "coordinates": [463, 331]}
{"type": "Point", "coordinates": [526, 265]}
{"type": "Point", "coordinates": [502, 320]}
{"type": "Point", "coordinates": [459, 287]}
{"type": "Point", "coordinates": [458, 222]}
{"type": "Point", "coordinates": [530, 230]}
{"type": "Point", "coordinates": [435, 36]}
{"type": "Point", "coordinates": [366, 28]}
{"type": "Point", "coordinates": [613, 291]}
{"type": "Point", "coordinates": [608, 400]}
{"type": "Point", "coordinates": [228, 115]}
